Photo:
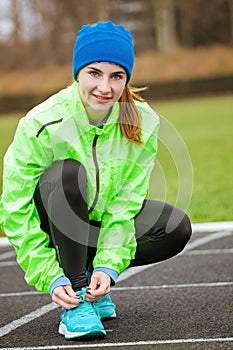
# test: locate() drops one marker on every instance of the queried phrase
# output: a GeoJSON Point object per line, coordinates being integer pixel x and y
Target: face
{"type": "Point", "coordinates": [101, 84]}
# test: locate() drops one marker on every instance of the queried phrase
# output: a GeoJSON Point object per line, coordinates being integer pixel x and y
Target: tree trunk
{"type": "Point", "coordinates": [186, 25]}
{"type": "Point", "coordinates": [15, 10]}
{"type": "Point", "coordinates": [230, 2]}
{"type": "Point", "coordinates": [164, 14]}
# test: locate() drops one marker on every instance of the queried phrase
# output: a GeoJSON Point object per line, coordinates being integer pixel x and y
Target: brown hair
{"type": "Point", "coordinates": [130, 119]}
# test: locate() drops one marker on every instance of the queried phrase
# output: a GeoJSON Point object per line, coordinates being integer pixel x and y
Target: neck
{"type": "Point", "coordinates": [96, 117]}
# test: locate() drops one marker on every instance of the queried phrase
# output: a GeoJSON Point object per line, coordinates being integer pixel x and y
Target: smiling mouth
{"type": "Point", "coordinates": [102, 98]}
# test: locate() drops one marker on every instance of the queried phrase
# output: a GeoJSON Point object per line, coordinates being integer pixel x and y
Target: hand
{"type": "Point", "coordinates": [99, 286]}
{"type": "Point", "coordinates": [65, 296]}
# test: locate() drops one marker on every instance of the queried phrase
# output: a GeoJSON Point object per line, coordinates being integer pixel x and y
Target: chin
{"type": "Point", "coordinates": [101, 108]}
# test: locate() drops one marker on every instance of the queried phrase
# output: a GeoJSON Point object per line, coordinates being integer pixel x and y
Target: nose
{"type": "Point", "coordinates": [104, 86]}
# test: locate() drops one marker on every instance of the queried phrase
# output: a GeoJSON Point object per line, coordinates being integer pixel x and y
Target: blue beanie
{"type": "Point", "coordinates": [103, 42]}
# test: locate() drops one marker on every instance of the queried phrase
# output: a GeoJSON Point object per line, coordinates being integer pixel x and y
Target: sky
{"type": "Point", "coordinates": [6, 25]}
{"type": "Point", "coordinates": [27, 16]}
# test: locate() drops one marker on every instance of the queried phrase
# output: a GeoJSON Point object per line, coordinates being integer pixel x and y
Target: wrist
{"type": "Point", "coordinates": [60, 281]}
{"type": "Point", "coordinates": [110, 272]}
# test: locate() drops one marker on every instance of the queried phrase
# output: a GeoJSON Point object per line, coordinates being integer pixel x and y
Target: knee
{"type": "Point", "coordinates": [179, 228]}
{"type": "Point", "coordinates": [183, 232]}
{"type": "Point", "coordinates": [185, 228]}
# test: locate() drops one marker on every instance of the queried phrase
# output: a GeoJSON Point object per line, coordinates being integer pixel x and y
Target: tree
{"type": "Point", "coordinates": [164, 21]}
{"type": "Point", "coordinates": [230, 4]}
{"type": "Point", "coordinates": [15, 11]}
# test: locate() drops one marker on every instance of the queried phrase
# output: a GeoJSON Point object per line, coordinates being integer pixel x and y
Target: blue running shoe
{"type": "Point", "coordinates": [105, 308]}
{"type": "Point", "coordinates": [81, 322]}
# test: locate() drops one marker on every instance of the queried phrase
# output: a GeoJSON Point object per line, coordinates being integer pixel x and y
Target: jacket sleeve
{"type": "Point", "coordinates": [24, 162]}
{"type": "Point", "coordinates": [117, 244]}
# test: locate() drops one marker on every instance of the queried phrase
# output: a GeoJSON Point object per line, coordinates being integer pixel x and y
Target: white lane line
{"type": "Point", "coordinates": [212, 226]}
{"type": "Point", "coordinates": [41, 311]}
{"type": "Point", "coordinates": [19, 294]}
{"type": "Point", "coordinates": [194, 244]}
{"type": "Point", "coordinates": [8, 263]}
{"type": "Point", "coordinates": [128, 288]}
{"type": "Point", "coordinates": [209, 252]}
{"type": "Point", "coordinates": [206, 239]}
{"type": "Point", "coordinates": [27, 318]}
{"type": "Point", "coordinates": [7, 255]}
{"type": "Point", "coordinates": [139, 343]}
{"type": "Point", "coordinates": [4, 242]}
{"type": "Point", "coordinates": [174, 286]}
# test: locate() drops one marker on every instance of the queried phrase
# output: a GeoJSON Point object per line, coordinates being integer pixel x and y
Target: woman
{"type": "Point", "coordinates": [75, 181]}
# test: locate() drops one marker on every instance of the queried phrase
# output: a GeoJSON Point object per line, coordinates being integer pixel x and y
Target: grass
{"type": "Point", "coordinates": [8, 126]}
{"type": "Point", "coordinates": [205, 126]}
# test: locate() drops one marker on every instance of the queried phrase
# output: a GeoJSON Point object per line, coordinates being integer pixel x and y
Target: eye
{"type": "Point", "coordinates": [94, 73]}
{"type": "Point", "coordinates": [117, 76]}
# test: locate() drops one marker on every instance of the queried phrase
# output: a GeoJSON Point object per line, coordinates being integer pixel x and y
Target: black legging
{"type": "Point", "coordinates": [162, 231]}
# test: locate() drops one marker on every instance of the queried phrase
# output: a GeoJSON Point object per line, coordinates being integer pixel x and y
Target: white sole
{"type": "Point", "coordinates": [113, 316]}
{"type": "Point", "coordinates": [71, 335]}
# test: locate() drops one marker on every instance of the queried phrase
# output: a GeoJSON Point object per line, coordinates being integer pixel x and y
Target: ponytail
{"type": "Point", "coordinates": [130, 119]}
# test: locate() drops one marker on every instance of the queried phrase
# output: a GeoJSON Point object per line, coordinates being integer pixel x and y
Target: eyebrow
{"type": "Point", "coordinates": [98, 70]}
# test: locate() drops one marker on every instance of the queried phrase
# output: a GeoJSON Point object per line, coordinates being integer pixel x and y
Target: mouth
{"type": "Point", "coordinates": [102, 99]}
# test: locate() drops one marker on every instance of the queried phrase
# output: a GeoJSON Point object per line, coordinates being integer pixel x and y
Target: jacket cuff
{"type": "Point", "coordinates": [60, 281]}
{"type": "Point", "coordinates": [110, 272]}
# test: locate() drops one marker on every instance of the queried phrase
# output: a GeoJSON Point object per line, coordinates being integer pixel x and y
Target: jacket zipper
{"type": "Point", "coordinates": [94, 155]}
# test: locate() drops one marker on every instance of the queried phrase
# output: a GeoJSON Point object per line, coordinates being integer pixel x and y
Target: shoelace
{"type": "Point", "coordinates": [84, 306]}
{"type": "Point", "coordinates": [91, 311]}
{"type": "Point", "coordinates": [81, 310]}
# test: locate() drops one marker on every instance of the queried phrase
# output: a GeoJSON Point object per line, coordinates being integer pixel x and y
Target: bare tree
{"type": "Point", "coordinates": [44, 31]}
{"type": "Point", "coordinates": [15, 11]}
{"type": "Point", "coordinates": [230, 4]}
{"type": "Point", "coordinates": [202, 22]}
{"type": "Point", "coordinates": [60, 21]}
{"type": "Point", "coordinates": [164, 21]}
{"type": "Point", "coordinates": [184, 23]}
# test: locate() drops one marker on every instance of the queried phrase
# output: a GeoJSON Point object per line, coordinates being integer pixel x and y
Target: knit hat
{"type": "Point", "coordinates": [103, 42]}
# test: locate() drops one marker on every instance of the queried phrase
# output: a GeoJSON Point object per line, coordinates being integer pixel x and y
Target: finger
{"type": "Point", "coordinates": [100, 284]}
{"type": "Point", "coordinates": [99, 293]}
{"type": "Point", "coordinates": [101, 290]}
{"type": "Point", "coordinates": [94, 283]}
{"type": "Point", "coordinates": [69, 290]}
{"type": "Point", "coordinates": [67, 304]}
{"type": "Point", "coordinates": [64, 297]}
{"type": "Point", "coordinates": [90, 297]}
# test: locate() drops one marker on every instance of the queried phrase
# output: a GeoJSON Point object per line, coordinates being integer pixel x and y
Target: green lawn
{"type": "Point", "coordinates": [194, 164]}
{"type": "Point", "coordinates": [206, 125]}
{"type": "Point", "coordinates": [8, 125]}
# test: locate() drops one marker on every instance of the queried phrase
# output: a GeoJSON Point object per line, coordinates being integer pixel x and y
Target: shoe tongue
{"type": "Point", "coordinates": [82, 298]}
{"type": "Point", "coordinates": [81, 291]}
{"type": "Point", "coordinates": [81, 294]}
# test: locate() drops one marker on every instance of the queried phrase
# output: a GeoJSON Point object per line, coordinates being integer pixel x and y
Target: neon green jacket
{"type": "Point", "coordinates": [58, 129]}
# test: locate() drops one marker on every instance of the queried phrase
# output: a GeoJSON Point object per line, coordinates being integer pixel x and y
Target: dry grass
{"type": "Point", "coordinates": [149, 68]}
{"type": "Point", "coordinates": [184, 65]}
